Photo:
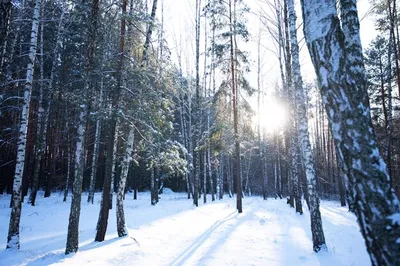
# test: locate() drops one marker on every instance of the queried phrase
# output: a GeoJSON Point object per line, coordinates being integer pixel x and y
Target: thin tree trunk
{"type": "Point", "coordinates": [13, 231]}
{"type": "Point", "coordinates": [95, 151]}
{"type": "Point", "coordinates": [105, 207]}
{"type": "Point", "coordinates": [68, 172]}
{"type": "Point", "coordinates": [236, 164]}
{"type": "Point", "coordinates": [315, 215]}
{"type": "Point", "coordinates": [73, 225]}
{"type": "Point", "coordinates": [197, 108]}
{"type": "Point", "coordinates": [121, 225]}
{"type": "Point", "coordinates": [115, 162]}
{"type": "Point", "coordinates": [43, 115]}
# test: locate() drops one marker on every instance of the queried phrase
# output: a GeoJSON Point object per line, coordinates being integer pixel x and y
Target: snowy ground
{"type": "Point", "coordinates": [176, 233]}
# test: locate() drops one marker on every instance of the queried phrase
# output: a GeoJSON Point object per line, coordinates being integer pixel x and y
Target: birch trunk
{"type": "Point", "coordinates": [315, 215]}
{"type": "Point", "coordinates": [13, 231]}
{"type": "Point", "coordinates": [340, 71]}
{"type": "Point", "coordinates": [114, 166]}
{"type": "Point", "coordinates": [95, 153]}
{"type": "Point", "coordinates": [43, 115]}
{"type": "Point", "coordinates": [121, 225]}
{"type": "Point", "coordinates": [73, 225]}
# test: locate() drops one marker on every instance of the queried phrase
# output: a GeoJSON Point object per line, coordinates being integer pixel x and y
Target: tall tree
{"type": "Point", "coordinates": [335, 49]}
{"type": "Point", "coordinates": [13, 231]}
{"type": "Point", "coordinates": [113, 131]}
{"type": "Point", "coordinates": [304, 139]}
{"type": "Point", "coordinates": [73, 225]}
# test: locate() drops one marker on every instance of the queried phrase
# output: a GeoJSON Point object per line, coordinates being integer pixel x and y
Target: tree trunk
{"type": "Point", "coordinates": [13, 231]}
{"type": "Point", "coordinates": [68, 172]}
{"type": "Point", "coordinates": [95, 152]}
{"type": "Point", "coordinates": [337, 57]}
{"type": "Point", "coordinates": [121, 226]}
{"type": "Point", "coordinates": [43, 115]}
{"type": "Point", "coordinates": [315, 215]}
{"type": "Point", "coordinates": [105, 207]}
{"type": "Point", "coordinates": [115, 162]}
{"type": "Point", "coordinates": [73, 225]}
{"type": "Point", "coordinates": [236, 162]}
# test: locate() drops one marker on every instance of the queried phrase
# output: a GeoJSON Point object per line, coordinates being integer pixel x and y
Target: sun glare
{"type": "Point", "coordinates": [272, 117]}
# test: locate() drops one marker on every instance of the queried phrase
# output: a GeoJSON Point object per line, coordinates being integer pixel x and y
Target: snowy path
{"type": "Point", "coordinates": [176, 233]}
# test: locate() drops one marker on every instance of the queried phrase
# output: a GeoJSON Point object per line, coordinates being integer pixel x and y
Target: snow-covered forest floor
{"type": "Point", "coordinates": [176, 233]}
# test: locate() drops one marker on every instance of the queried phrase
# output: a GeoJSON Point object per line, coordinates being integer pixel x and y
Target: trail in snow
{"type": "Point", "coordinates": [176, 233]}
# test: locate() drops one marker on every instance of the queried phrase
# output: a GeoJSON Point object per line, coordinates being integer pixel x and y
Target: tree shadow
{"type": "Point", "coordinates": [190, 251]}
{"type": "Point", "coordinates": [57, 256]}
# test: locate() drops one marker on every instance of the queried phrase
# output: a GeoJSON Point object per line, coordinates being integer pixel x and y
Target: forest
{"type": "Point", "coordinates": [105, 101]}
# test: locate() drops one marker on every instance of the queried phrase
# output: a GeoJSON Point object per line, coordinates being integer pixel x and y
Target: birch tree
{"type": "Point", "coordinates": [304, 139]}
{"type": "Point", "coordinates": [335, 49]}
{"type": "Point", "coordinates": [16, 204]}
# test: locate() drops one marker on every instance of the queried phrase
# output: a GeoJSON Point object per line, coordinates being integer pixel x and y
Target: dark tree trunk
{"type": "Point", "coordinates": [73, 225]}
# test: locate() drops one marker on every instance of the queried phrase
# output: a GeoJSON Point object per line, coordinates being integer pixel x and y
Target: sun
{"type": "Point", "coordinates": [271, 117]}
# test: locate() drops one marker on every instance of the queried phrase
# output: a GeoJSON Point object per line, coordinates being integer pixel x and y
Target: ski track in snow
{"type": "Point", "coordinates": [176, 233]}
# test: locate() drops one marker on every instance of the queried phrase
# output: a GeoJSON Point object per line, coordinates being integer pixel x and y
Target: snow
{"type": "Point", "coordinates": [176, 233]}
{"type": "Point", "coordinates": [395, 218]}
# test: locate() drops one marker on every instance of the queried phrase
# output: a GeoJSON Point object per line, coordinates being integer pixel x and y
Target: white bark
{"type": "Point", "coordinates": [73, 225]}
{"type": "Point", "coordinates": [95, 151]}
{"type": "Point", "coordinates": [43, 115]}
{"type": "Point", "coordinates": [121, 225]}
{"type": "Point", "coordinates": [340, 72]}
{"type": "Point", "coordinates": [13, 231]}
{"type": "Point", "coordinates": [315, 215]}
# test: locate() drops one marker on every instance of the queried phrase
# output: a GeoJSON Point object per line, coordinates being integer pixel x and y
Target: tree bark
{"type": "Point", "coordinates": [13, 231]}
{"type": "Point", "coordinates": [73, 225]}
{"type": "Point", "coordinates": [121, 225]}
{"type": "Point", "coordinates": [315, 215]}
{"type": "Point", "coordinates": [337, 57]}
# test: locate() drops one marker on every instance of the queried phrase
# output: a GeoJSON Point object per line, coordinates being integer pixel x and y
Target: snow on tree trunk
{"type": "Point", "coordinates": [294, 158]}
{"type": "Point", "coordinates": [95, 152]}
{"type": "Point", "coordinates": [114, 166]}
{"type": "Point", "coordinates": [340, 72]}
{"type": "Point", "coordinates": [73, 225]}
{"type": "Point", "coordinates": [121, 226]}
{"type": "Point", "coordinates": [13, 231]}
{"type": "Point", "coordinates": [315, 215]}
{"type": "Point", "coordinates": [43, 115]}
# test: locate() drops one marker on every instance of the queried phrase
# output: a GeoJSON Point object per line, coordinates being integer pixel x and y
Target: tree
{"type": "Point", "coordinates": [230, 27]}
{"type": "Point", "coordinates": [13, 231]}
{"type": "Point", "coordinates": [304, 139]}
{"type": "Point", "coordinates": [73, 225]}
{"type": "Point", "coordinates": [336, 53]}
